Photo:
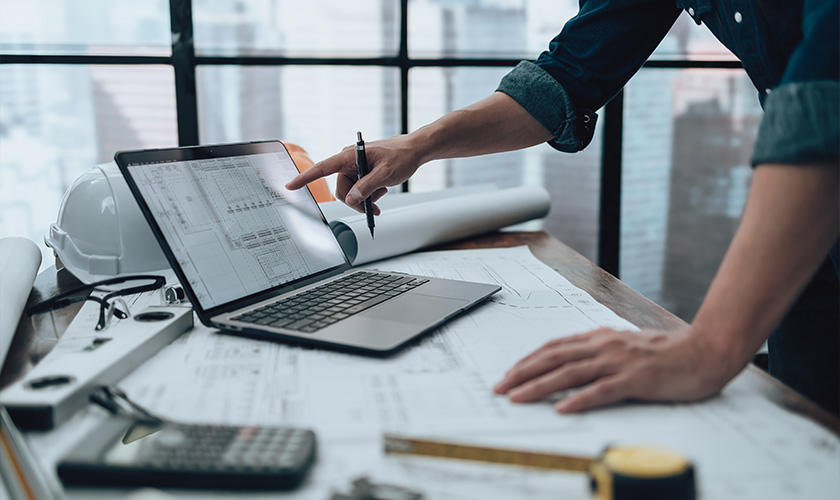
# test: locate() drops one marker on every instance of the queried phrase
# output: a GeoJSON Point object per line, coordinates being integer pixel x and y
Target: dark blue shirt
{"type": "Point", "coordinates": [789, 49]}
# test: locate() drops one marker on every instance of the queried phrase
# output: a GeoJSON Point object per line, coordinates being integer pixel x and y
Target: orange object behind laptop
{"type": "Point", "coordinates": [319, 188]}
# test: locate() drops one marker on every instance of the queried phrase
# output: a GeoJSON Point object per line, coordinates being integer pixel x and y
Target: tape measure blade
{"type": "Point", "coordinates": [441, 449]}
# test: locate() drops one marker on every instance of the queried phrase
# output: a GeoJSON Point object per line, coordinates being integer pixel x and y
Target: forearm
{"type": "Point", "coordinates": [492, 125]}
{"type": "Point", "coordinates": [789, 225]}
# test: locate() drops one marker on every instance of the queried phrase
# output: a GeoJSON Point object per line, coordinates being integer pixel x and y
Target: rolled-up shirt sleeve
{"type": "Point", "coordinates": [591, 59]}
{"type": "Point", "coordinates": [801, 122]}
{"type": "Point", "coordinates": [549, 103]}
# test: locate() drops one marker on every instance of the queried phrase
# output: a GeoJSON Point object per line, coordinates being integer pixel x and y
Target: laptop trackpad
{"type": "Point", "coordinates": [416, 308]}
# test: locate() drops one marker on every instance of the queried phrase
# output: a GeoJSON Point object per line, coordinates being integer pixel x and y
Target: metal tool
{"type": "Point", "coordinates": [363, 488]}
{"type": "Point", "coordinates": [53, 391]}
{"type": "Point", "coordinates": [618, 473]}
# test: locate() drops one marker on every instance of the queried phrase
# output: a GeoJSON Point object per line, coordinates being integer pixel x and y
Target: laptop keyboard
{"type": "Point", "coordinates": [322, 306]}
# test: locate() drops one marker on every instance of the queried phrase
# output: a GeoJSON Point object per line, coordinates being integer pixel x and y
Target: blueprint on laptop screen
{"type": "Point", "coordinates": [233, 227]}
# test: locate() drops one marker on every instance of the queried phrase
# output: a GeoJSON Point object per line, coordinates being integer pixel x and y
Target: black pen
{"type": "Point", "coordinates": [361, 171]}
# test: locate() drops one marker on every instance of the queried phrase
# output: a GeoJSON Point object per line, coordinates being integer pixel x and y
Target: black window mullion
{"type": "Point", "coordinates": [405, 64]}
{"type": "Point", "coordinates": [183, 62]}
{"type": "Point", "coordinates": [609, 217]}
{"type": "Point", "coordinates": [85, 59]}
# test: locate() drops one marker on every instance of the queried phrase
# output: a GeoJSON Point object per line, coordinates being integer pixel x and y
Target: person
{"type": "Point", "coordinates": [774, 274]}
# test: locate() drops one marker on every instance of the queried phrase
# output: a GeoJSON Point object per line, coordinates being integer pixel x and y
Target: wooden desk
{"type": "Point", "coordinates": [34, 337]}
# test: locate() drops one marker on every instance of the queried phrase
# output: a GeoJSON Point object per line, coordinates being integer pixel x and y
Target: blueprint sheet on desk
{"type": "Point", "coordinates": [743, 445]}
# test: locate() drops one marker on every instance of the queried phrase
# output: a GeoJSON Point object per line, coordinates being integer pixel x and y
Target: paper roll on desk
{"type": "Point", "coordinates": [20, 259]}
{"type": "Point", "coordinates": [411, 221]}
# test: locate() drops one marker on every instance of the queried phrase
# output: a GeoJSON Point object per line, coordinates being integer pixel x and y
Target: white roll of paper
{"type": "Point", "coordinates": [19, 262]}
{"type": "Point", "coordinates": [407, 228]}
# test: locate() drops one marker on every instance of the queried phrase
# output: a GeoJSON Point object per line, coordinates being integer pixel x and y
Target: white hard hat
{"type": "Point", "coordinates": [101, 233]}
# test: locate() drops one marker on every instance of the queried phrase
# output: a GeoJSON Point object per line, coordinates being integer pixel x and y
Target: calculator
{"type": "Point", "coordinates": [131, 452]}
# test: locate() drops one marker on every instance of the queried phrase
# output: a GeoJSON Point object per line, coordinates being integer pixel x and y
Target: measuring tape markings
{"type": "Point", "coordinates": [619, 473]}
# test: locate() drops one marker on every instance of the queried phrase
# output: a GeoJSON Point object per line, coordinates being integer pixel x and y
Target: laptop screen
{"type": "Point", "coordinates": [233, 227]}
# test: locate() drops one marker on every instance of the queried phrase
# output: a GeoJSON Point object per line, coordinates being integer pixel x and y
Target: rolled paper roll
{"type": "Point", "coordinates": [20, 259]}
{"type": "Point", "coordinates": [406, 228]}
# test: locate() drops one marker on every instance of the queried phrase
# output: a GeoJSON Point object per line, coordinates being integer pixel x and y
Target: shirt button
{"type": "Point", "coordinates": [691, 11]}
{"type": "Point", "coordinates": [738, 17]}
{"type": "Point", "coordinates": [586, 118]}
{"type": "Point", "coordinates": [767, 91]}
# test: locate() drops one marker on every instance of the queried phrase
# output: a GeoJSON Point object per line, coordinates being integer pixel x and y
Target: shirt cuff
{"type": "Point", "coordinates": [548, 102]}
{"type": "Point", "coordinates": [800, 124]}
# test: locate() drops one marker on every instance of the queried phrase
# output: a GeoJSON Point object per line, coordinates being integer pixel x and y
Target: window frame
{"type": "Point", "coordinates": [184, 61]}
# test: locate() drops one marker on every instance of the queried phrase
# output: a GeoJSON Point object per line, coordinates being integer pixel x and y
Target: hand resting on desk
{"type": "Point", "coordinates": [777, 249]}
{"type": "Point", "coordinates": [612, 365]}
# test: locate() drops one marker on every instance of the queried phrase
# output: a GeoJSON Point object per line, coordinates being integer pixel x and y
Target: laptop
{"type": "Point", "coordinates": [257, 259]}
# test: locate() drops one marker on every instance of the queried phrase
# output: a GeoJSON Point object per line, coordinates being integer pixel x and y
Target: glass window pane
{"type": "Point", "coordinates": [573, 180]}
{"type": "Point", "coordinates": [317, 107]}
{"type": "Point", "coordinates": [292, 28]}
{"type": "Point", "coordinates": [523, 28]}
{"type": "Point", "coordinates": [687, 40]}
{"type": "Point", "coordinates": [57, 121]}
{"type": "Point", "coordinates": [688, 139]}
{"type": "Point", "coordinates": [85, 27]}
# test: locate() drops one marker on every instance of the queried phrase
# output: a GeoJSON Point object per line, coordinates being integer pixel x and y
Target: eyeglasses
{"type": "Point", "coordinates": [114, 288]}
{"type": "Point", "coordinates": [117, 402]}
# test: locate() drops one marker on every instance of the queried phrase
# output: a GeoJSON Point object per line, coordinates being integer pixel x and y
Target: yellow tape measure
{"type": "Point", "coordinates": [619, 473]}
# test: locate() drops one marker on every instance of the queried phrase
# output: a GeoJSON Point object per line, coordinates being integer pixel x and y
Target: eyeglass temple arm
{"type": "Point", "coordinates": [114, 399]}
{"type": "Point", "coordinates": [67, 298]}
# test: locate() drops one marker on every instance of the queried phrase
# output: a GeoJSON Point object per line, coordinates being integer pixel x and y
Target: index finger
{"type": "Point", "coordinates": [539, 365]}
{"type": "Point", "coordinates": [572, 339]}
{"type": "Point", "coordinates": [323, 168]}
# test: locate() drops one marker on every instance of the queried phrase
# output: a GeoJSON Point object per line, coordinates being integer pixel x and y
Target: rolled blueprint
{"type": "Point", "coordinates": [409, 227]}
{"type": "Point", "coordinates": [19, 262]}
